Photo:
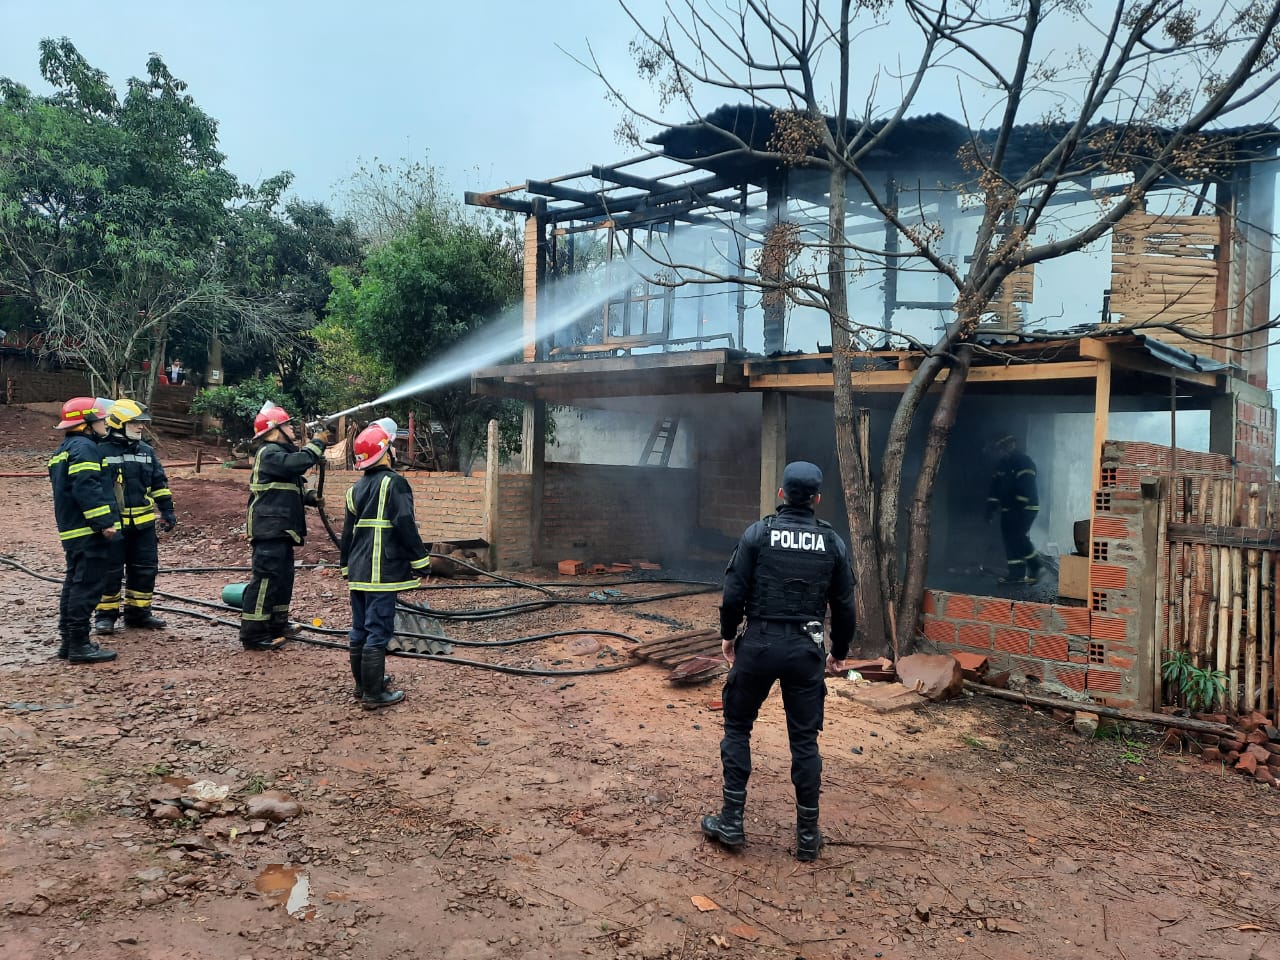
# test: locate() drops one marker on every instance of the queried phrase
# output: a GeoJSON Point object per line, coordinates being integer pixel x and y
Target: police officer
{"type": "Point", "coordinates": [785, 572]}
{"type": "Point", "coordinates": [1014, 497]}
{"type": "Point", "coordinates": [84, 506]}
{"type": "Point", "coordinates": [277, 524]}
{"type": "Point", "coordinates": [142, 491]}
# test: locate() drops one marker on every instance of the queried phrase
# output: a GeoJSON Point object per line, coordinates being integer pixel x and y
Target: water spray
{"type": "Point", "coordinates": [505, 335]}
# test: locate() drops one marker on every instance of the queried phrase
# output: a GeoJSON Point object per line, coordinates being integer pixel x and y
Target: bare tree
{"type": "Point", "coordinates": [1133, 105]}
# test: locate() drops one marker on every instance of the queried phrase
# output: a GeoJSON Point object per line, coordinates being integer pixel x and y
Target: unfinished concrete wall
{"type": "Point", "coordinates": [515, 546]}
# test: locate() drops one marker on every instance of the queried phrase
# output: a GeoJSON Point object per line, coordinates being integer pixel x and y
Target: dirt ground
{"type": "Point", "coordinates": [495, 816]}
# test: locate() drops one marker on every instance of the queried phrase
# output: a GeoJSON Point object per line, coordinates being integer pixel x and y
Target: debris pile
{"type": "Point", "coordinates": [1254, 750]}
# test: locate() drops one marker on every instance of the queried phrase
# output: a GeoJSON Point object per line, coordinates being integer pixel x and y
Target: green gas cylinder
{"type": "Point", "coordinates": [233, 595]}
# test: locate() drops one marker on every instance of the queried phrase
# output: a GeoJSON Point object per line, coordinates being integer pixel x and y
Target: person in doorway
{"type": "Point", "coordinates": [176, 373]}
{"type": "Point", "coordinates": [144, 499]}
{"type": "Point", "coordinates": [84, 506]}
{"type": "Point", "coordinates": [277, 524]}
{"type": "Point", "coordinates": [382, 553]}
{"type": "Point", "coordinates": [1014, 498]}
{"type": "Point", "coordinates": [786, 571]}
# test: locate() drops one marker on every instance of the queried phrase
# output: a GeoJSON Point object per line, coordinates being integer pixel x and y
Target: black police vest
{"type": "Point", "coordinates": [793, 571]}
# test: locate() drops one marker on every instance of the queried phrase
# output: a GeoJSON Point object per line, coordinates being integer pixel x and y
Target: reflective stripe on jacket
{"type": "Point", "coordinates": [381, 549]}
{"type": "Point", "coordinates": [275, 491]}
{"type": "Point", "coordinates": [141, 486]}
{"type": "Point", "coordinates": [84, 502]}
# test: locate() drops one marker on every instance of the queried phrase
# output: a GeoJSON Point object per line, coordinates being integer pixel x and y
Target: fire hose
{"type": "Point", "coordinates": [480, 664]}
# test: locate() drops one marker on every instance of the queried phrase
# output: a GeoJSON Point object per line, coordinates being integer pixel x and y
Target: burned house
{"type": "Point", "coordinates": [1132, 371]}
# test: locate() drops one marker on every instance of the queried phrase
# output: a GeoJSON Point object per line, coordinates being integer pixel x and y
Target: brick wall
{"type": "Point", "coordinates": [35, 385]}
{"type": "Point", "coordinates": [515, 549]}
{"type": "Point", "coordinates": [598, 513]}
{"type": "Point", "coordinates": [1049, 641]}
{"type": "Point", "coordinates": [1255, 441]}
{"type": "Point", "coordinates": [448, 506]}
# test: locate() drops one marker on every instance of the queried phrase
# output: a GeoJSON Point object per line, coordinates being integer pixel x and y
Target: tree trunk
{"type": "Point", "coordinates": [873, 632]}
{"type": "Point", "coordinates": [157, 361]}
{"type": "Point", "coordinates": [944, 417]}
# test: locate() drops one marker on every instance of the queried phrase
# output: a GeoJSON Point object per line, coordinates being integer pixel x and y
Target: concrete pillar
{"type": "Point", "coordinates": [773, 447]}
{"type": "Point", "coordinates": [533, 455]}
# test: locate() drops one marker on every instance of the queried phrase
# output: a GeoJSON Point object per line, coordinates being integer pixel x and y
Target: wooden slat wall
{"type": "Point", "coordinates": [1164, 269]}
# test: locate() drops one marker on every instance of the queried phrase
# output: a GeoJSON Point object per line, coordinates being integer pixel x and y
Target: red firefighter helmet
{"type": "Point", "coordinates": [372, 442]}
{"type": "Point", "coordinates": [81, 410]}
{"type": "Point", "coordinates": [268, 418]}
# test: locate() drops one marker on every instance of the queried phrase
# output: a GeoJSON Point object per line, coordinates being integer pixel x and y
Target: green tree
{"type": "Point", "coordinates": [113, 215]}
{"type": "Point", "coordinates": [421, 292]}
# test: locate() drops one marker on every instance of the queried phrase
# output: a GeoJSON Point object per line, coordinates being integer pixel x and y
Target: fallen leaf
{"type": "Point", "coordinates": [719, 941]}
{"type": "Point", "coordinates": [745, 931]}
{"type": "Point", "coordinates": [704, 903]}
{"type": "Point", "coordinates": [1249, 927]}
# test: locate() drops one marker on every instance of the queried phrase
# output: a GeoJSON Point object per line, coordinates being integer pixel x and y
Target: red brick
{"type": "Point", "coordinates": [1011, 640]}
{"type": "Point", "coordinates": [930, 604]}
{"type": "Point", "coordinates": [1120, 663]}
{"type": "Point", "coordinates": [972, 664]}
{"type": "Point", "coordinates": [939, 631]}
{"type": "Point", "coordinates": [1075, 620]}
{"type": "Point", "coordinates": [975, 635]}
{"type": "Point", "coordinates": [1247, 764]}
{"type": "Point", "coordinates": [960, 606]}
{"type": "Point", "coordinates": [1114, 528]}
{"type": "Point", "coordinates": [1107, 576]}
{"type": "Point", "coordinates": [571, 568]}
{"type": "Point", "coordinates": [996, 612]}
{"type": "Point", "coordinates": [1211, 755]}
{"type": "Point", "coordinates": [1075, 679]}
{"type": "Point", "coordinates": [1107, 628]}
{"type": "Point", "coordinates": [1029, 615]}
{"type": "Point", "coordinates": [1105, 680]}
{"type": "Point", "coordinates": [1049, 647]}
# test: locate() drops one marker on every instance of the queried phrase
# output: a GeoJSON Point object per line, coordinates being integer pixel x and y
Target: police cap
{"type": "Point", "coordinates": [801, 481]}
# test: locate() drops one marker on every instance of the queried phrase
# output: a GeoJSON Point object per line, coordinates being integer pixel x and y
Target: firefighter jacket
{"type": "Point", "coordinates": [84, 500]}
{"type": "Point", "coordinates": [790, 567]}
{"type": "Point", "coordinates": [141, 488]}
{"type": "Point", "coordinates": [1013, 484]}
{"type": "Point", "coordinates": [277, 492]}
{"type": "Point", "coordinates": [381, 549]}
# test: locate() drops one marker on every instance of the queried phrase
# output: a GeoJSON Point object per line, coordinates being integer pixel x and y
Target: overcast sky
{"type": "Point", "coordinates": [481, 88]}
{"type": "Point", "coordinates": [479, 85]}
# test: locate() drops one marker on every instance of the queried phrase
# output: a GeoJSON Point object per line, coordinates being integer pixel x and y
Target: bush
{"type": "Point", "coordinates": [236, 406]}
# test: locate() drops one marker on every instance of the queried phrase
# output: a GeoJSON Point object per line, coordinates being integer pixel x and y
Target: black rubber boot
{"type": "Point", "coordinates": [64, 646]}
{"type": "Point", "coordinates": [85, 651]}
{"type": "Point", "coordinates": [726, 827]}
{"type": "Point", "coordinates": [374, 694]}
{"type": "Point", "coordinates": [104, 623]}
{"type": "Point", "coordinates": [358, 690]}
{"type": "Point", "coordinates": [808, 836]}
{"type": "Point", "coordinates": [143, 620]}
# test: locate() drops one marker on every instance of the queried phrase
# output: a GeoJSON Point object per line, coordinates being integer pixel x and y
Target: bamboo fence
{"type": "Point", "coordinates": [1219, 595]}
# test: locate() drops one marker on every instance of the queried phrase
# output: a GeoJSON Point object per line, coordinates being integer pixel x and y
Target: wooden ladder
{"type": "Point", "coordinates": [664, 431]}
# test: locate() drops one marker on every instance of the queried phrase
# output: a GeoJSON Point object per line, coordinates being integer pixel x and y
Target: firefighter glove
{"type": "Point", "coordinates": [322, 436]}
{"type": "Point", "coordinates": [168, 522]}
{"type": "Point", "coordinates": [312, 499]}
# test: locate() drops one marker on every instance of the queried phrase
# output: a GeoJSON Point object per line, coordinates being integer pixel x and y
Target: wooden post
{"type": "Point", "coordinates": [1149, 683]}
{"type": "Point", "coordinates": [492, 531]}
{"type": "Point", "coordinates": [773, 447]}
{"type": "Point", "coordinates": [1251, 611]}
{"type": "Point", "coordinates": [533, 451]}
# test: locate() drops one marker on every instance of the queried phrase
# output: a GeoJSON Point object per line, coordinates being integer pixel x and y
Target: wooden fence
{"type": "Point", "coordinates": [1219, 579]}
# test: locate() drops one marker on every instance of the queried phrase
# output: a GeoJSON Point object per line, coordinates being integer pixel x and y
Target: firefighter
{"type": "Point", "coordinates": [84, 505]}
{"type": "Point", "coordinates": [786, 571]}
{"type": "Point", "coordinates": [142, 493]}
{"type": "Point", "coordinates": [1013, 496]}
{"type": "Point", "coordinates": [381, 554]}
{"type": "Point", "coordinates": [277, 524]}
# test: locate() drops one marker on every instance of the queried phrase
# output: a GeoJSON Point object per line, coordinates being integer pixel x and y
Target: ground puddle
{"type": "Point", "coordinates": [285, 885]}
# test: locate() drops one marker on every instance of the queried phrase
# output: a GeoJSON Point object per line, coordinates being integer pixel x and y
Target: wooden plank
{"type": "Point", "coordinates": [894, 380]}
{"type": "Point", "coordinates": [1260, 538]}
{"type": "Point", "coordinates": [1141, 361]}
